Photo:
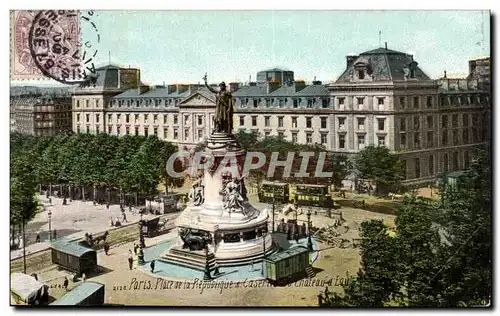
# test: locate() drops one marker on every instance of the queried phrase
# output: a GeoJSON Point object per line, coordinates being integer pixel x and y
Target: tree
{"type": "Point", "coordinates": [441, 253]}
{"type": "Point", "coordinates": [378, 164]}
{"type": "Point", "coordinates": [247, 140]}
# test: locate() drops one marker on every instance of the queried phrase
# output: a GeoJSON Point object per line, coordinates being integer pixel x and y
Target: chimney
{"type": "Point", "coordinates": [350, 59]}
{"type": "Point", "coordinates": [317, 83]}
{"type": "Point", "coordinates": [386, 45]}
{"type": "Point", "coordinates": [472, 66]}
{"type": "Point", "coordinates": [252, 84]}
{"type": "Point", "coordinates": [163, 84]}
{"type": "Point", "coordinates": [299, 85]}
{"type": "Point", "coordinates": [182, 88]}
{"type": "Point", "coordinates": [445, 74]}
{"type": "Point", "coordinates": [233, 86]}
{"type": "Point", "coordinates": [142, 89]}
{"type": "Point", "coordinates": [171, 88]}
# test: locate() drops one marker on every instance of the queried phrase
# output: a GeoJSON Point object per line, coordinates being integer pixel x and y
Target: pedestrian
{"type": "Point", "coordinates": [124, 217]}
{"type": "Point", "coordinates": [135, 248]}
{"type": "Point", "coordinates": [50, 201]}
{"type": "Point", "coordinates": [251, 266]}
{"type": "Point", "coordinates": [216, 269]}
{"type": "Point", "coordinates": [106, 248]}
{"type": "Point", "coordinates": [66, 283]}
{"type": "Point", "coordinates": [107, 206]}
{"type": "Point", "coordinates": [130, 259]}
{"type": "Point", "coordinates": [94, 202]}
{"type": "Point", "coordinates": [84, 277]}
{"type": "Point", "coordinates": [111, 223]}
{"type": "Point", "coordinates": [152, 266]}
{"type": "Point", "coordinates": [38, 237]}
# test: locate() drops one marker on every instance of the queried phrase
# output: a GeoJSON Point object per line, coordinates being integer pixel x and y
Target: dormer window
{"type": "Point", "coordinates": [413, 68]}
{"type": "Point", "coordinates": [361, 74]}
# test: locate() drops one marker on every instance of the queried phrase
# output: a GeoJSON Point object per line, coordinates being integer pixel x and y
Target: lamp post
{"type": "Point", "coordinates": [50, 225]}
{"type": "Point", "coordinates": [264, 234]}
{"type": "Point", "coordinates": [309, 241]}
{"type": "Point", "coordinates": [206, 275]}
{"type": "Point", "coordinates": [274, 202]}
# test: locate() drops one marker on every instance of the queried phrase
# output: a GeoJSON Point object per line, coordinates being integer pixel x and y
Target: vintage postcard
{"type": "Point", "coordinates": [250, 158]}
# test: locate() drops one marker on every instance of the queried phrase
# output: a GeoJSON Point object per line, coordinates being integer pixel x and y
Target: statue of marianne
{"type": "Point", "coordinates": [224, 111]}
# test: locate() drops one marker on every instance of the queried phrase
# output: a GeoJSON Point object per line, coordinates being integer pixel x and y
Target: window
{"type": "Point", "coordinates": [361, 100]}
{"type": "Point", "coordinates": [431, 165]}
{"type": "Point", "coordinates": [465, 120]}
{"type": "Point", "coordinates": [325, 103]}
{"type": "Point", "coordinates": [309, 103]}
{"type": "Point", "coordinates": [295, 103]}
{"type": "Point", "coordinates": [402, 141]}
{"type": "Point", "coordinates": [341, 122]}
{"type": "Point", "coordinates": [416, 140]}
{"type": "Point", "coordinates": [243, 102]}
{"type": "Point", "coordinates": [146, 131]}
{"type": "Point", "coordinates": [429, 101]}
{"type": "Point", "coordinates": [87, 118]}
{"type": "Point", "coordinates": [88, 129]}
{"type": "Point", "coordinates": [294, 137]}
{"type": "Point", "coordinates": [308, 122]}
{"type": "Point", "coordinates": [323, 139]}
{"type": "Point", "coordinates": [417, 167]}
{"type": "Point", "coordinates": [280, 135]}
{"type": "Point", "coordinates": [341, 141]}
{"type": "Point", "coordinates": [381, 124]}
{"type": "Point", "coordinates": [242, 120]}
{"type": "Point", "coordinates": [454, 137]}
{"type": "Point", "coordinates": [87, 103]}
{"type": "Point", "coordinates": [444, 138]}
{"type": "Point", "coordinates": [268, 103]}
{"type": "Point", "coordinates": [444, 121]}
{"type": "Point", "coordinates": [186, 119]}
{"type": "Point", "coordinates": [78, 117]}
{"type": "Point", "coordinates": [361, 141]}
{"type": "Point", "coordinates": [454, 120]}
{"type": "Point", "coordinates": [465, 136]}
{"type": "Point", "coordinates": [323, 122]}
{"type": "Point", "coordinates": [361, 74]}
{"type": "Point", "coordinates": [146, 116]}
{"type": "Point", "coordinates": [110, 129]}
{"type": "Point", "coordinates": [186, 134]}
{"type": "Point", "coordinates": [176, 134]}
{"type": "Point", "coordinates": [165, 132]}
{"type": "Point", "coordinates": [77, 103]}
{"type": "Point", "coordinates": [445, 163]}
{"type": "Point", "coordinates": [455, 160]}
{"type": "Point", "coordinates": [255, 103]}
{"type": "Point", "coordinates": [402, 101]}
{"type": "Point", "coordinates": [200, 134]}
{"type": "Point", "coordinates": [402, 124]}
{"type": "Point", "coordinates": [309, 138]}
{"type": "Point", "coordinates": [381, 140]}
{"type": "Point", "coordinates": [155, 118]}
{"type": "Point", "coordinates": [416, 102]}
{"type": "Point", "coordinates": [254, 120]}
{"type": "Point", "coordinates": [267, 121]}
{"type": "Point", "coordinates": [164, 118]}
{"type": "Point", "coordinates": [176, 119]}
{"type": "Point", "coordinates": [155, 131]}
{"type": "Point", "coordinates": [380, 101]}
{"type": "Point", "coordinates": [416, 123]}
{"type": "Point", "coordinates": [280, 121]}
{"type": "Point", "coordinates": [136, 131]}
{"type": "Point", "coordinates": [127, 130]}
{"type": "Point", "coordinates": [281, 103]}
{"type": "Point", "coordinates": [341, 101]}
{"type": "Point", "coordinates": [127, 118]}
{"type": "Point", "coordinates": [361, 123]}
{"type": "Point", "coordinates": [294, 122]}
{"type": "Point", "coordinates": [110, 117]}
{"type": "Point", "coordinates": [136, 118]}
{"type": "Point", "coordinates": [475, 137]}
{"type": "Point", "coordinates": [200, 120]}
{"type": "Point", "coordinates": [430, 139]}
{"type": "Point", "coordinates": [430, 122]}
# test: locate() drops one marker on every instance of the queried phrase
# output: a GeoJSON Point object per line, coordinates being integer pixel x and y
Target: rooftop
{"type": "Point", "coordinates": [79, 293]}
{"type": "Point", "coordinates": [70, 248]}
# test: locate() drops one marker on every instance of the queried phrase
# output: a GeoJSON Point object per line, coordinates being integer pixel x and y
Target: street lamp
{"type": "Point", "coordinates": [309, 241]}
{"type": "Point", "coordinates": [264, 234]}
{"type": "Point", "coordinates": [274, 202]}
{"type": "Point", "coordinates": [206, 275]}
{"type": "Point", "coordinates": [50, 225]}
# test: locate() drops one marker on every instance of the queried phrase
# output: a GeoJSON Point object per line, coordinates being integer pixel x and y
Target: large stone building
{"type": "Point", "coordinates": [40, 112]}
{"type": "Point", "coordinates": [382, 98]}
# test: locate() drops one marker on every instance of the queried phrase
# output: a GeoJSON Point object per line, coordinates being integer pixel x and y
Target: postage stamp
{"type": "Point", "coordinates": [66, 29]}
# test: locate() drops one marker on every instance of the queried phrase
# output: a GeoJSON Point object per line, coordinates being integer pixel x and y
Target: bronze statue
{"type": "Point", "coordinates": [224, 110]}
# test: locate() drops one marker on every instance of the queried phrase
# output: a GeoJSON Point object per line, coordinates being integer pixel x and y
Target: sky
{"type": "Point", "coordinates": [181, 46]}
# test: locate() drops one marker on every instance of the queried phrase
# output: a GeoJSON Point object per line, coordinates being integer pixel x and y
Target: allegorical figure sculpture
{"type": "Point", "coordinates": [233, 198]}
{"type": "Point", "coordinates": [197, 195]}
{"type": "Point", "coordinates": [224, 110]}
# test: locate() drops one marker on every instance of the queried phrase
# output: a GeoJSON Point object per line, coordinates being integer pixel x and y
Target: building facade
{"type": "Point", "coordinates": [382, 98]}
{"type": "Point", "coordinates": [41, 114]}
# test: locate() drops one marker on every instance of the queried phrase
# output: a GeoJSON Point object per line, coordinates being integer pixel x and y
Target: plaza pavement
{"type": "Point", "coordinates": [71, 222]}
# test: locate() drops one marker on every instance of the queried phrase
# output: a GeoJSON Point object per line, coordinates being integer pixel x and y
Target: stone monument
{"type": "Point", "coordinates": [218, 216]}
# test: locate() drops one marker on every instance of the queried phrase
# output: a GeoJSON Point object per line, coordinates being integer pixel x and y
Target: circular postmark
{"type": "Point", "coordinates": [57, 49]}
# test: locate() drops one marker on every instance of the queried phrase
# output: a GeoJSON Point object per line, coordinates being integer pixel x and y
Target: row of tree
{"type": "Point", "coordinates": [440, 255]}
{"type": "Point", "coordinates": [373, 162]}
{"type": "Point", "coordinates": [132, 164]}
